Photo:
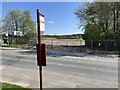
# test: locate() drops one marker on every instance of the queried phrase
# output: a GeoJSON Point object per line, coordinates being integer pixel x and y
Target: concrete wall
{"type": "Point", "coordinates": [64, 42]}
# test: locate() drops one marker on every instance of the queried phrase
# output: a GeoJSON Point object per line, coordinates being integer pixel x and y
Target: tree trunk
{"type": "Point", "coordinates": [117, 24]}
{"type": "Point", "coordinates": [114, 24]}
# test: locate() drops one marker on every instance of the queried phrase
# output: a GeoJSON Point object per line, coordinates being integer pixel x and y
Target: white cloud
{"type": "Point", "coordinates": [51, 22]}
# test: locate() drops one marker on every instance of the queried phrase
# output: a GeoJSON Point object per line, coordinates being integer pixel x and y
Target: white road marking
{"type": "Point", "coordinates": [55, 84]}
{"type": "Point", "coordinates": [58, 64]}
{"type": "Point", "coordinates": [25, 76]}
{"type": "Point", "coordinates": [74, 66]}
{"type": "Point", "coordinates": [1, 67]}
{"type": "Point", "coordinates": [93, 59]}
{"type": "Point", "coordinates": [14, 58]}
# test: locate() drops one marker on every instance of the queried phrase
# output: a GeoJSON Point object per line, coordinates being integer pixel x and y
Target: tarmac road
{"type": "Point", "coordinates": [19, 66]}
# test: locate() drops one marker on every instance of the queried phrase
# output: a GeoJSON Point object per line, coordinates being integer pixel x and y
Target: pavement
{"type": "Point", "coordinates": [19, 67]}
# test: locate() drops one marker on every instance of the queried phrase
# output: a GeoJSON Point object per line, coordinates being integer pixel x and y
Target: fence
{"type": "Point", "coordinates": [105, 45]}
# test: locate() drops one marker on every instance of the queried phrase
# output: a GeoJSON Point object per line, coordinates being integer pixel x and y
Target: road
{"type": "Point", "coordinates": [19, 66]}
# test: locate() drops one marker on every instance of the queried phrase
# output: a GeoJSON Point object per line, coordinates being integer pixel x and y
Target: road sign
{"type": "Point", "coordinates": [42, 23]}
{"type": "Point", "coordinates": [17, 33]}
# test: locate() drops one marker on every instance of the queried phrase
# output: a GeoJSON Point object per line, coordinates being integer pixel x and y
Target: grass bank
{"type": "Point", "coordinates": [7, 86]}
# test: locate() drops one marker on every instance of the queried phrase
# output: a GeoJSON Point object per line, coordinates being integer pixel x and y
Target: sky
{"type": "Point", "coordinates": [59, 16]}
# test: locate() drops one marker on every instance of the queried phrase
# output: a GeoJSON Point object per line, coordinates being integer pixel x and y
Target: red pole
{"type": "Point", "coordinates": [39, 45]}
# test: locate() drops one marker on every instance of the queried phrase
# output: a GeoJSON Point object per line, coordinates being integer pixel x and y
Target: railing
{"type": "Point", "coordinates": [105, 45]}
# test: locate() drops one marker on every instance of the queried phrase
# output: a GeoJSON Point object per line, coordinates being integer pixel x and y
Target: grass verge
{"type": "Point", "coordinates": [7, 86]}
{"type": "Point", "coordinates": [4, 45]}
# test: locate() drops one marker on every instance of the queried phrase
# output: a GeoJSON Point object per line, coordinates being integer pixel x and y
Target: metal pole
{"type": "Point", "coordinates": [39, 45]}
{"type": "Point", "coordinates": [91, 44]}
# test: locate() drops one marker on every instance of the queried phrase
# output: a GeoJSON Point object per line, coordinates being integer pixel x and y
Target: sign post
{"type": "Point", "coordinates": [41, 52]}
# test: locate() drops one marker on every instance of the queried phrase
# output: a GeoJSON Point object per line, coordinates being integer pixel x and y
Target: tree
{"type": "Point", "coordinates": [103, 11]}
{"type": "Point", "coordinates": [26, 22]}
{"type": "Point", "coordinates": [99, 17]}
{"type": "Point", "coordinates": [11, 22]}
{"type": "Point", "coordinates": [16, 20]}
{"type": "Point", "coordinates": [101, 21]}
{"type": "Point", "coordinates": [87, 18]}
{"type": "Point", "coordinates": [116, 19]}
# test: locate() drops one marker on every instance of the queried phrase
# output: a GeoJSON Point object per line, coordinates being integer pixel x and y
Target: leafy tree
{"type": "Point", "coordinates": [26, 22]}
{"type": "Point", "coordinates": [87, 18]}
{"type": "Point", "coordinates": [16, 20]}
{"type": "Point", "coordinates": [100, 19]}
{"type": "Point", "coordinates": [93, 32]}
{"type": "Point", "coordinates": [103, 10]}
{"type": "Point", "coordinates": [116, 19]}
{"type": "Point", "coordinates": [11, 22]}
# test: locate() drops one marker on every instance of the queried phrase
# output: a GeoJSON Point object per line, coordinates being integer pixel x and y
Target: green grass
{"type": "Point", "coordinates": [24, 46]}
{"type": "Point", "coordinates": [4, 45]}
{"type": "Point", "coordinates": [7, 86]}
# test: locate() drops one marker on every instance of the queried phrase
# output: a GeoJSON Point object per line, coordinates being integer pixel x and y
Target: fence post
{"type": "Point", "coordinates": [91, 44]}
{"type": "Point", "coordinates": [51, 42]}
{"type": "Point", "coordinates": [105, 44]}
{"type": "Point", "coordinates": [80, 42]}
{"type": "Point", "coordinates": [67, 42]}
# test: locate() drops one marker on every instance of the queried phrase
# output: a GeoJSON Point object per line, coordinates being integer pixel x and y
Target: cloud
{"type": "Point", "coordinates": [51, 22]}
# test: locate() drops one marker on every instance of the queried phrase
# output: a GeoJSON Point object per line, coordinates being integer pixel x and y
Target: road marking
{"type": "Point", "coordinates": [1, 67]}
{"type": "Point", "coordinates": [55, 84]}
{"type": "Point", "coordinates": [25, 76]}
{"type": "Point", "coordinates": [93, 59]}
{"type": "Point", "coordinates": [16, 58]}
{"type": "Point", "coordinates": [58, 64]}
{"type": "Point", "coordinates": [91, 68]}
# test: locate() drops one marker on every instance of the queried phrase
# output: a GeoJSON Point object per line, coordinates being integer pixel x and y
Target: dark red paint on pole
{"type": "Point", "coordinates": [39, 47]}
{"type": "Point", "coordinates": [43, 54]}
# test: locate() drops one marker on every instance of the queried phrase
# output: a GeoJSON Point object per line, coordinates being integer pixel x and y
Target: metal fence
{"type": "Point", "coordinates": [105, 45]}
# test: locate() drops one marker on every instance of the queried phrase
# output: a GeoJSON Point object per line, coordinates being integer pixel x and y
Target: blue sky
{"type": "Point", "coordinates": [59, 16]}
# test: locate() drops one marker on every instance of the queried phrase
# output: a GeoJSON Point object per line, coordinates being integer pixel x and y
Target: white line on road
{"type": "Point", "coordinates": [92, 68]}
{"type": "Point", "coordinates": [14, 58]}
{"type": "Point", "coordinates": [55, 84]}
{"type": "Point", "coordinates": [1, 67]}
{"type": "Point", "coordinates": [93, 59]}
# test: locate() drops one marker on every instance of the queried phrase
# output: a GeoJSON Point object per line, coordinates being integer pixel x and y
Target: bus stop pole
{"type": "Point", "coordinates": [39, 45]}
